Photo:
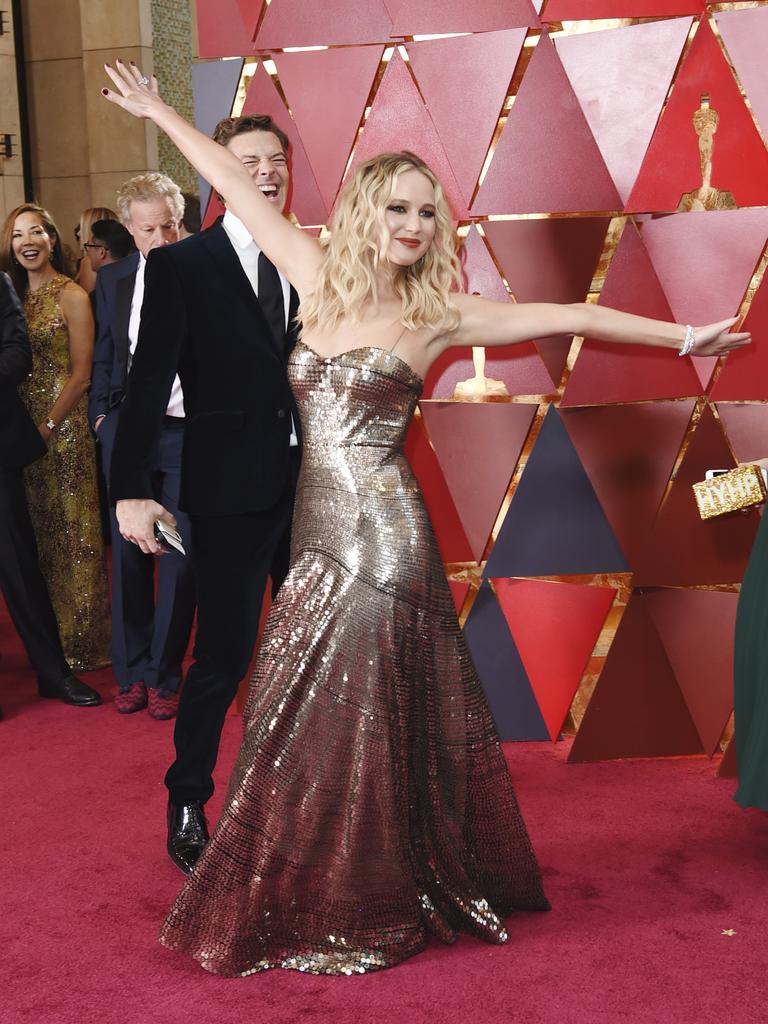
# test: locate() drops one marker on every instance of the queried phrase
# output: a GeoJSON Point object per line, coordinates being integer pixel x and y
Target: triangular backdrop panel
{"type": "Point", "coordinates": [298, 23]}
{"type": "Point", "coordinates": [477, 445]}
{"type": "Point", "coordinates": [637, 709]}
{"type": "Point", "coordinates": [746, 427]}
{"type": "Point", "coordinates": [214, 85]}
{"type": "Point", "coordinates": [520, 367]}
{"type": "Point", "coordinates": [453, 543]}
{"type": "Point", "coordinates": [728, 768]}
{"type": "Point", "coordinates": [549, 260]}
{"type": "Point", "coordinates": [672, 168]}
{"type": "Point", "coordinates": [221, 31]}
{"type": "Point", "coordinates": [621, 78]}
{"type": "Point", "coordinates": [506, 686]}
{"type": "Point", "coordinates": [555, 627]}
{"type": "Point", "coordinates": [316, 82]}
{"type": "Point", "coordinates": [684, 550]}
{"type": "Point", "coordinates": [213, 210]}
{"type": "Point", "coordinates": [305, 200]}
{"type": "Point", "coordinates": [629, 373]}
{"type": "Point", "coordinates": [399, 120]}
{"type": "Point", "coordinates": [464, 82]}
{"type": "Point", "coordinates": [547, 160]}
{"type": "Point", "coordinates": [745, 374]}
{"type": "Point", "coordinates": [459, 592]}
{"type": "Point", "coordinates": [434, 17]}
{"type": "Point", "coordinates": [629, 452]}
{"type": "Point", "coordinates": [555, 525]}
{"type": "Point", "coordinates": [745, 34]}
{"type": "Point", "coordinates": [590, 10]}
{"type": "Point", "coordinates": [696, 628]}
{"type": "Point", "coordinates": [705, 262]}
{"type": "Point", "coordinates": [250, 12]}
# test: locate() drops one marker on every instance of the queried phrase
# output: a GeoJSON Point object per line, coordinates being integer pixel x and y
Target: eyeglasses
{"type": "Point", "coordinates": [93, 245]}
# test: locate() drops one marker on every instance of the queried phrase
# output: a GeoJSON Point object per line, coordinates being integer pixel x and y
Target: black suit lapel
{"type": "Point", "coordinates": [230, 268]}
{"type": "Point", "coordinates": [121, 316]}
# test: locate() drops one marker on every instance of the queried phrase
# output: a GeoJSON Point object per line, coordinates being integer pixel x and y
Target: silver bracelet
{"type": "Point", "coordinates": [688, 342]}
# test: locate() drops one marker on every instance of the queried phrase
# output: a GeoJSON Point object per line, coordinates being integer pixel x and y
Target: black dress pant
{"type": "Point", "coordinates": [23, 586]}
{"type": "Point", "coordinates": [232, 556]}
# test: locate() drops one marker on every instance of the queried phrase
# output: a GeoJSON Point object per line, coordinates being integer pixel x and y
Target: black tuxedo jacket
{"type": "Point", "coordinates": [201, 319]}
{"type": "Point", "coordinates": [20, 440]}
{"type": "Point", "coordinates": [114, 292]}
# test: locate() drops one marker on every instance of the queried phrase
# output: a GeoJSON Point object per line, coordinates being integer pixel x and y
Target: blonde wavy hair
{"type": "Point", "coordinates": [357, 246]}
{"type": "Point", "coordinates": [148, 186]}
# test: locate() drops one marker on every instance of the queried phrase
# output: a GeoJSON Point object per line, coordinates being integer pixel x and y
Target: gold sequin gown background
{"type": "Point", "coordinates": [62, 492]}
{"type": "Point", "coordinates": [370, 804]}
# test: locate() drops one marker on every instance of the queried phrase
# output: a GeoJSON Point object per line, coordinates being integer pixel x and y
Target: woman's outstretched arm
{"type": "Point", "coordinates": [297, 254]}
{"type": "Point", "coordinates": [488, 323]}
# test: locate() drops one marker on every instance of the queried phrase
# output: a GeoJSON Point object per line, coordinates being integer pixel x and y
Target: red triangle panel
{"type": "Point", "coordinates": [745, 374]}
{"type": "Point", "coordinates": [434, 17]}
{"type": "Point", "coordinates": [629, 452]}
{"type": "Point", "coordinates": [480, 274]}
{"type": "Point", "coordinates": [619, 373]}
{"type": "Point", "coordinates": [555, 627]}
{"type": "Point", "coordinates": [672, 168]}
{"type": "Point", "coordinates": [549, 260]}
{"type": "Point", "coordinates": [250, 12]}
{"type": "Point", "coordinates": [305, 200]}
{"type": "Point", "coordinates": [221, 31]}
{"type": "Point", "coordinates": [728, 768]}
{"type": "Point", "coordinates": [213, 211]}
{"type": "Point", "coordinates": [399, 120]}
{"type": "Point", "coordinates": [459, 593]}
{"type": "Point", "coordinates": [298, 23]}
{"type": "Point", "coordinates": [705, 262]}
{"type": "Point", "coordinates": [746, 427]}
{"type": "Point", "coordinates": [315, 82]}
{"type": "Point", "coordinates": [477, 445]}
{"type": "Point", "coordinates": [591, 10]}
{"type": "Point", "coordinates": [451, 537]}
{"type": "Point", "coordinates": [637, 709]}
{"type": "Point", "coordinates": [547, 159]}
{"type": "Point", "coordinates": [464, 82]}
{"type": "Point", "coordinates": [684, 550]}
{"type": "Point", "coordinates": [745, 34]}
{"type": "Point", "coordinates": [621, 78]}
{"type": "Point", "coordinates": [696, 628]}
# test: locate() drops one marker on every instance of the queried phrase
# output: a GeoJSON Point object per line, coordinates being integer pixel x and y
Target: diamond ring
{"type": "Point", "coordinates": [143, 80]}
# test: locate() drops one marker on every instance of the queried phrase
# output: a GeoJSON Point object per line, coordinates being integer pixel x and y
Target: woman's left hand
{"type": "Point", "coordinates": [45, 432]}
{"type": "Point", "coordinates": [138, 94]}
{"type": "Point", "coordinates": [716, 340]}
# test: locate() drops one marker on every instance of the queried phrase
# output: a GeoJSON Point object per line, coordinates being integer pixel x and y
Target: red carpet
{"type": "Point", "coordinates": [646, 863]}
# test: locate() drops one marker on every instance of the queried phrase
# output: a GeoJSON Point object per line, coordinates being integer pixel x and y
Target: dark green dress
{"type": "Point", "coordinates": [750, 677]}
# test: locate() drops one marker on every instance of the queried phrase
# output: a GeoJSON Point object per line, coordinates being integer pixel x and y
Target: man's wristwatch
{"type": "Point", "coordinates": [50, 424]}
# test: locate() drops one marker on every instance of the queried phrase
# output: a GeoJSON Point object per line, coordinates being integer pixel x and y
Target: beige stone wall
{"type": "Point", "coordinates": [82, 148]}
{"type": "Point", "coordinates": [11, 178]}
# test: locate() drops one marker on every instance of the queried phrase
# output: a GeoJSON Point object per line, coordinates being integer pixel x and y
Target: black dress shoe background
{"type": "Point", "coordinates": [70, 690]}
{"type": "Point", "coordinates": [187, 834]}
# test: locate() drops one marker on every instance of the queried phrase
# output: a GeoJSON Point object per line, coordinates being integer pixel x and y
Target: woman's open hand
{"type": "Point", "coordinates": [714, 339]}
{"type": "Point", "coordinates": [138, 94]}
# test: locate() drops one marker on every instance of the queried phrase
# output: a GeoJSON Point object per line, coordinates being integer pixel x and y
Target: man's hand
{"type": "Point", "coordinates": [136, 519]}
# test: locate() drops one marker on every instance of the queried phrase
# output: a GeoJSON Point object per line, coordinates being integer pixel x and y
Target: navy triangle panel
{"type": "Point", "coordinates": [555, 525]}
{"type": "Point", "coordinates": [504, 680]}
{"type": "Point", "coordinates": [214, 86]}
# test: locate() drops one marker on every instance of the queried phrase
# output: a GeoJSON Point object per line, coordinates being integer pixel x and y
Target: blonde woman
{"type": "Point", "coordinates": [370, 804]}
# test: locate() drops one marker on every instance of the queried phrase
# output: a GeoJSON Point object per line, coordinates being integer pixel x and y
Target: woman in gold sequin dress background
{"type": "Point", "coordinates": [371, 804]}
{"type": "Point", "coordinates": [62, 487]}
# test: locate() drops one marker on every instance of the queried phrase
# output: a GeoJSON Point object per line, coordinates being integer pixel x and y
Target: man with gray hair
{"type": "Point", "coordinates": [150, 628]}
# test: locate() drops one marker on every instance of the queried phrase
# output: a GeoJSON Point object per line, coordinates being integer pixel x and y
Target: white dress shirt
{"type": "Point", "coordinates": [248, 253]}
{"type": "Point", "coordinates": [176, 401]}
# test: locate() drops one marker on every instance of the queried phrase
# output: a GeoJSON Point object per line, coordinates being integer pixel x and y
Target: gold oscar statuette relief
{"type": "Point", "coordinates": [705, 122]}
{"type": "Point", "coordinates": [479, 387]}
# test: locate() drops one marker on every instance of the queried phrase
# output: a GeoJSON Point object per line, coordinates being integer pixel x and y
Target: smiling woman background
{"type": "Point", "coordinates": [62, 488]}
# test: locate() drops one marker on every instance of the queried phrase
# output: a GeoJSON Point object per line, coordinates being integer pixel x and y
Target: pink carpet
{"type": "Point", "coordinates": [646, 864]}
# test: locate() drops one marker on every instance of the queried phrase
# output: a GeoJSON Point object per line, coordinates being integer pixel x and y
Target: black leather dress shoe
{"type": "Point", "coordinates": [70, 690]}
{"type": "Point", "coordinates": [187, 834]}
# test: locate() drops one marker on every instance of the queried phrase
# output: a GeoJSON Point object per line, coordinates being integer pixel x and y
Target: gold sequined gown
{"type": "Point", "coordinates": [62, 492]}
{"type": "Point", "coordinates": [370, 804]}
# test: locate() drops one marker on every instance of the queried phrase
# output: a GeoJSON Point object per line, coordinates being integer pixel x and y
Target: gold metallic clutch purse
{"type": "Point", "coordinates": [740, 488]}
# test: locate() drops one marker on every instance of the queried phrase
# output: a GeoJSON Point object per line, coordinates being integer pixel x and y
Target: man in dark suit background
{"type": "Point", "coordinates": [22, 584]}
{"type": "Point", "coordinates": [150, 631]}
{"type": "Point", "coordinates": [217, 312]}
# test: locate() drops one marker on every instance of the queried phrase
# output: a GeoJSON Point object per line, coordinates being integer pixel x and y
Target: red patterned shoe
{"type": "Point", "coordinates": [163, 705]}
{"type": "Point", "coordinates": [131, 700]}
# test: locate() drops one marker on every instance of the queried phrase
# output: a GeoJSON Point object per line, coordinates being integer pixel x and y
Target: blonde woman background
{"type": "Point", "coordinates": [370, 804]}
